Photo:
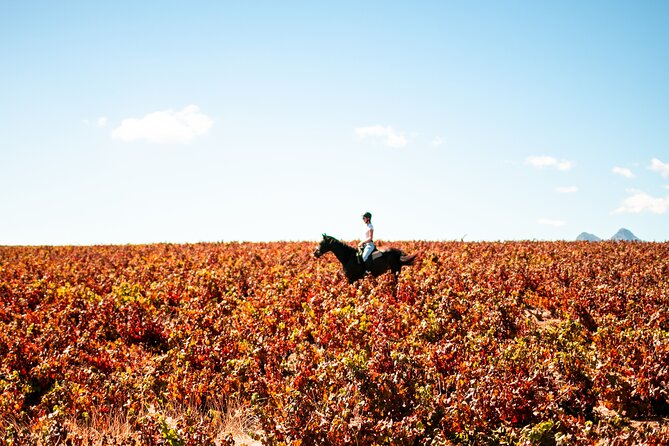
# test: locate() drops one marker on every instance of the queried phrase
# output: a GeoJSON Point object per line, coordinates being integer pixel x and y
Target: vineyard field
{"type": "Point", "coordinates": [523, 342]}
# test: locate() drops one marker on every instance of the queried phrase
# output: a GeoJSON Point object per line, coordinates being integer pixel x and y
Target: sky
{"type": "Point", "coordinates": [205, 121]}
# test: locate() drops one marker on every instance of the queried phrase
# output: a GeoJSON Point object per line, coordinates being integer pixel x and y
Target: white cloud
{"type": "Point", "coordinates": [436, 142]}
{"type": "Point", "coordinates": [640, 202]}
{"type": "Point", "coordinates": [658, 166]}
{"type": "Point", "coordinates": [549, 222]}
{"type": "Point", "coordinates": [567, 190]}
{"type": "Point", "coordinates": [100, 122]}
{"type": "Point", "coordinates": [165, 127]}
{"type": "Point", "coordinates": [623, 171]}
{"type": "Point", "coordinates": [548, 161]}
{"type": "Point", "coordinates": [387, 135]}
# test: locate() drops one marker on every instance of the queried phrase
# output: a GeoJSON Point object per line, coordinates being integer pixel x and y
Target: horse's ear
{"type": "Point", "coordinates": [324, 236]}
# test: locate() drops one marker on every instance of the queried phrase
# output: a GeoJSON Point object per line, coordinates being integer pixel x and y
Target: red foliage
{"type": "Point", "coordinates": [477, 343]}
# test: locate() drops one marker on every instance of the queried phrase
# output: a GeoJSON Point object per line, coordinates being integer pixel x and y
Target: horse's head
{"type": "Point", "coordinates": [324, 246]}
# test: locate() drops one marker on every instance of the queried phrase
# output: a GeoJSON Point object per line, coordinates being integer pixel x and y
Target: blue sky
{"type": "Point", "coordinates": [139, 122]}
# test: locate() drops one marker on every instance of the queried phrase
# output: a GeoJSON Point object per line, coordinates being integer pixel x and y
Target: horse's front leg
{"type": "Point", "coordinates": [353, 271]}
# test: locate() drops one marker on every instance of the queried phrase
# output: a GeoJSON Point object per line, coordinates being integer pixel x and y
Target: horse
{"type": "Point", "coordinates": [379, 262]}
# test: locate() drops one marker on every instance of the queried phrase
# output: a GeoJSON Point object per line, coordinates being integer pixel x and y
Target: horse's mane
{"type": "Point", "coordinates": [337, 242]}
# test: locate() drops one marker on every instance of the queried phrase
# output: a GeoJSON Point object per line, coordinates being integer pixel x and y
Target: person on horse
{"type": "Point", "coordinates": [367, 243]}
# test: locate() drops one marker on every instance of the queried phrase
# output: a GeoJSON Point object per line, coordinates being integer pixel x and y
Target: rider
{"type": "Point", "coordinates": [367, 243]}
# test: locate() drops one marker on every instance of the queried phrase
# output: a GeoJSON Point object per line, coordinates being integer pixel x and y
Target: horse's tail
{"type": "Point", "coordinates": [406, 260]}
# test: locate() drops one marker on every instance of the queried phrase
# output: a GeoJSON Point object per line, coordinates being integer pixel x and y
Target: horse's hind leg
{"type": "Point", "coordinates": [395, 284]}
{"type": "Point", "coordinates": [395, 268]}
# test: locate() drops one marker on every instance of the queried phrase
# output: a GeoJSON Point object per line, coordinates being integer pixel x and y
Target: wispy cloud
{"type": "Point", "coordinates": [640, 202]}
{"type": "Point", "coordinates": [387, 135]}
{"type": "Point", "coordinates": [548, 161]}
{"type": "Point", "coordinates": [437, 141]}
{"type": "Point", "coordinates": [165, 127]}
{"type": "Point", "coordinates": [623, 172]}
{"type": "Point", "coordinates": [99, 122]}
{"type": "Point", "coordinates": [566, 190]}
{"type": "Point", "coordinates": [551, 222]}
{"type": "Point", "coordinates": [658, 166]}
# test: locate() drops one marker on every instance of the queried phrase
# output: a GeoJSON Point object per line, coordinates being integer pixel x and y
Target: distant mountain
{"type": "Point", "coordinates": [587, 237]}
{"type": "Point", "coordinates": [625, 235]}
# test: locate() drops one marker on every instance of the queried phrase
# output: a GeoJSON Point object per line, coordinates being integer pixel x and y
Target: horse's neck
{"type": "Point", "coordinates": [343, 252]}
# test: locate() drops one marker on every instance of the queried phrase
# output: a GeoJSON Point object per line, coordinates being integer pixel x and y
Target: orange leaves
{"type": "Point", "coordinates": [478, 342]}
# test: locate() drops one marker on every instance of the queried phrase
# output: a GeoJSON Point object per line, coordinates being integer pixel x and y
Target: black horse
{"type": "Point", "coordinates": [381, 261]}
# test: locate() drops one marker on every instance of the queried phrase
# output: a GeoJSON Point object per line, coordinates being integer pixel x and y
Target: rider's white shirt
{"type": "Point", "coordinates": [369, 228]}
